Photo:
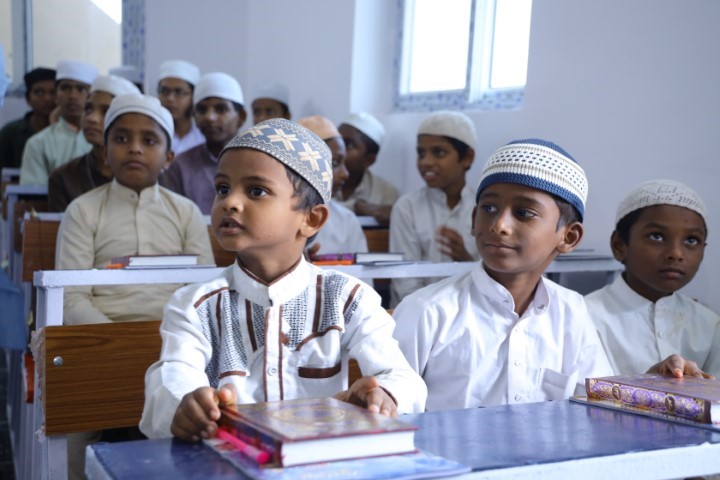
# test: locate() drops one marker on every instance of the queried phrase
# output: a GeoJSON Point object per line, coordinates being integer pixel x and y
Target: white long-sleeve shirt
{"type": "Point", "coordinates": [112, 221]}
{"type": "Point", "coordinates": [373, 189]}
{"type": "Point", "coordinates": [464, 338]}
{"type": "Point", "coordinates": [290, 339]}
{"type": "Point", "coordinates": [637, 333]}
{"type": "Point", "coordinates": [342, 233]}
{"type": "Point", "coordinates": [414, 222]}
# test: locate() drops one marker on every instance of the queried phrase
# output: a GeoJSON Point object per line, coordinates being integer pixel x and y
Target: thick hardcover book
{"type": "Point", "coordinates": [406, 466]}
{"type": "Point", "coordinates": [690, 398]}
{"type": "Point", "coordinates": [150, 261]}
{"type": "Point", "coordinates": [312, 430]}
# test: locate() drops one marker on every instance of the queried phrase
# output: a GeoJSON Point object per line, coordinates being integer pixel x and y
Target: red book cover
{"type": "Point", "coordinates": [691, 398]}
{"type": "Point", "coordinates": [311, 430]}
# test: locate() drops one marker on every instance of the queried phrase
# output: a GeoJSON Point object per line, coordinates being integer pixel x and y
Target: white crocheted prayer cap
{"type": "Point", "coordinates": [113, 85]}
{"type": "Point", "coordinates": [78, 71]}
{"type": "Point", "coordinates": [220, 85]}
{"type": "Point", "coordinates": [142, 104]}
{"type": "Point", "coordinates": [451, 124]}
{"type": "Point", "coordinates": [180, 69]}
{"type": "Point", "coordinates": [538, 164]}
{"type": "Point", "coordinates": [661, 192]}
{"type": "Point", "coordinates": [274, 91]}
{"type": "Point", "coordinates": [368, 125]}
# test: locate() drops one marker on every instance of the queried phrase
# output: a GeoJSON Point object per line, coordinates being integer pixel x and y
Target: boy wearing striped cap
{"type": "Point", "coordinates": [503, 334]}
{"type": "Point", "coordinates": [660, 237]}
{"type": "Point", "coordinates": [272, 326]}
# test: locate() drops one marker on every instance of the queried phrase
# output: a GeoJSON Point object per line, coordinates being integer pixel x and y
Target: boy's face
{"type": "Point", "coordinates": [439, 163]}
{"type": "Point", "coordinates": [41, 97]}
{"type": "Point", "coordinates": [357, 160]}
{"type": "Point", "coordinates": [340, 173]}
{"type": "Point", "coordinates": [664, 250]}
{"type": "Point", "coordinates": [93, 118]}
{"type": "Point", "coordinates": [515, 229]}
{"type": "Point", "coordinates": [267, 108]}
{"type": "Point", "coordinates": [217, 119]}
{"type": "Point", "coordinates": [175, 94]}
{"type": "Point", "coordinates": [70, 97]}
{"type": "Point", "coordinates": [137, 150]}
{"type": "Point", "coordinates": [254, 211]}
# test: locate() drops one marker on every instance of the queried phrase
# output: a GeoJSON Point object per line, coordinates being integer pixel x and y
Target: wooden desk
{"type": "Point", "coordinates": [546, 440]}
{"type": "Point", "coordinates": [18, 199]}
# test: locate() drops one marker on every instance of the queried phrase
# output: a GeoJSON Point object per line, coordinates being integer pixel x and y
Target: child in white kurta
{"type": "Point", "coordinates": [273, 326]}
{"type": "Point", "coordinates": [642, 317]}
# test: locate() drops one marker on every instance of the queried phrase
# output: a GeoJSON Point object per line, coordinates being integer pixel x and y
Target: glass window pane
{"type": "Point", "coordinates": [6, 33]}
{"type": "Point", "coordinates": [61, 31]}
{"type": "Point", "coordinates": [510, 43]}
{"type": "Point", "coordinates": [439, 45]}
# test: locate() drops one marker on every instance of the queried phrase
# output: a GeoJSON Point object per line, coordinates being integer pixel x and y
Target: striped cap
{"type": "Point", "coordinates": [537, 164]}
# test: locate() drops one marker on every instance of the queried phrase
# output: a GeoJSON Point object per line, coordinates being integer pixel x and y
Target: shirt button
{"type": "Point", "coordinates": [518, 398]}
{"type": "Point", "coordinates": [661, 334]}
{"type": "Point", "coordinates": [272, 371]}
{"type": "Point", "coordinates": [517, 363]}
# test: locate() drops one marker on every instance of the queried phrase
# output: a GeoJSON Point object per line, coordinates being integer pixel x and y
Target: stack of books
{"type": "Point", "coordinates": [360, 258]}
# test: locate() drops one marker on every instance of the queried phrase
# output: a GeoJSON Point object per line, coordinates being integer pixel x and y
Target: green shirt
{"type": "Point", "coordinates": [12, 141]}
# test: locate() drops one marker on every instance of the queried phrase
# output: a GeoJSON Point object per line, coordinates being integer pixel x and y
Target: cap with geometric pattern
{"type": "Point", "coordinates": [661, 192]}
{"type": "Point", "coordinates": [538, 164]}
{"type": "Point", "coordinates": [294, 146]}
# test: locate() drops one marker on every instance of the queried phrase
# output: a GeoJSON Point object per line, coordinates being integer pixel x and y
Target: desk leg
{"type": "Point", "coordinates": [57, 457]}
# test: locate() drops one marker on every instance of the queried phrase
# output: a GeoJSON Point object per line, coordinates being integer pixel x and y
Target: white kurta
{"type": "Point", "coordinates": [637, 333]}
{"type": "Point", "coordinates": [373, 189]}
{"type": "Point", "coordinates": [111, 221]}
{"type": "Point", "coordinates": [464, 338]}
{"type": "Point", "coordinates": [193, 138]}
{"type": "Point", "coordinates": [290, 339]}
{"type": "Point", "coordinates": [50, 148]}
{"type": "Point", "coordinates": [414, 223]}
{"type": "Point", "coordinates": [342, 233]}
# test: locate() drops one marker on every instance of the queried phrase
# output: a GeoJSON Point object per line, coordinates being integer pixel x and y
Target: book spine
{"type": "Point", "coordinates": [252, 436]}
{"type": "Point", "coordinates": [672, 404]}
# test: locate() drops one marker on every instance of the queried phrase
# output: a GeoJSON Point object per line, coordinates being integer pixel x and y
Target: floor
{"type": "Point", "coordinates": [6, 460]}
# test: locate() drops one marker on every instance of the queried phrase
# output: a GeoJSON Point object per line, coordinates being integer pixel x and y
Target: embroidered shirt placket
{"type": "Point", "coordinates": [273, 354]}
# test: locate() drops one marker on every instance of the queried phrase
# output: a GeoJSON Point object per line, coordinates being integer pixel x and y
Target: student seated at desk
{"type": "Point", "coordinates": [273, 326]}
{"type": "Point", "coordinates": [660, 237]}
{"type": "Point", "coordinates": [434, 222]}
{"type": "Point", "coordinates": [90, 170]}
{"type": "Point", "coordinates": [503, 334]}
{"type": "Point", "coordinates": [342, 233]}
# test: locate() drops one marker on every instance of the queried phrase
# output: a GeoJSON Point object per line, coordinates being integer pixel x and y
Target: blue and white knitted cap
{"type": "Point", "coordinates": [294, 146]}
{"type": "Point", "coordinates": [541, 165]}
{"type": "Point", "coordinates": [661, 192]}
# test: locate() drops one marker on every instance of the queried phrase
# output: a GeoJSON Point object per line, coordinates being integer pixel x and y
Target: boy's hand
{"type": "Point", "coordinates": [368, 393]}
{"type": "Point", "coordinates": [198, 412]}
{"type": "Point", "coordinates": [678, 367]}
{"type": "Point", "coordinates": [452, 244]}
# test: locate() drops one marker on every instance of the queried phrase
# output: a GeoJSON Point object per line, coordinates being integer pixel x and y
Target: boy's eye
{"type": "Point", "coordinates": [150, 141]}
{"type": "Point", "coordinates": [525, 213]}
{"type": "Point", "coordinates": [656, 236]}
{"type": "Point", "coordinates": [439, 152]}
{"type": "Point", "coordinates": [487, 207]}
{"type": "Point", "coordinates": [119, 138]}
{"type": "Point", "coordinates": [257, 192]}
{"type": "Point", "coordinates": [693, 241]}
{"type": "Point", "coordinates": [221, 189]}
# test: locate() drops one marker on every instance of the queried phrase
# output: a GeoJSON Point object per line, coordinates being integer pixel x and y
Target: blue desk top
{"type": "Point", "coordinates": [483, 438]}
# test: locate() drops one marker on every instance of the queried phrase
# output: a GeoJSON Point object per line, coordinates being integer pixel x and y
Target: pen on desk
{"type": "Point", "coordinates": [259, 456]}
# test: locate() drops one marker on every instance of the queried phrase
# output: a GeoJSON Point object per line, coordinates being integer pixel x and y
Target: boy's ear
{"type": "Point", "coordinates": [473, 224]}
{"type": "Point", "coordinates": [315, 218]}
{"type": "Point", "coordinates": [571, 238]}
{"type": "Point", "coordinates": [468, 159]}
{"type": "Point", "coordinates": [618, 247]}
{"type": "Point", "coordinates": [370, 159]}
{"type": "Point", "coordinates": [169, 156]}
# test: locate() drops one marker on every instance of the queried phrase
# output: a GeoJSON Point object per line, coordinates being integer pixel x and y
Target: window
{"type": "Point", "coordinates": [462, 54]}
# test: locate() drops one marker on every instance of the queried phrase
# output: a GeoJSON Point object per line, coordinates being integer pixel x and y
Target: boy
{"type": "Point", "coordinates": [271, 101]}
{"type": "Point", "coordinates": [660, 235]}
{"type": "Point", "coordinates": [434, 222]}
{"type": "Point", "coordinates": [342, 233]}
{"type": "Point", "coordinates": [40, 97]}
{"type": "Point", "coordinates": [219, 113]}
{"type": "Point", "coordinates": [364, 192]}
{"type": "Point", "coordinates": [175, 90]}
{"type": "Point", "coordinates": [272, 326]}
{"type": "Point", "coordinates": [84, 173]}
{"type": "Point", "coordinates": [131, 215]}
{"type": "Point", "coordinates": [503, 334]}
{"type": "Point", "coordinates": [61, 142]}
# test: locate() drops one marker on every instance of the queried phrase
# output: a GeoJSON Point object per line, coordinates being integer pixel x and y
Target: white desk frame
{"type": "Point", "coordinates": [49, 459]}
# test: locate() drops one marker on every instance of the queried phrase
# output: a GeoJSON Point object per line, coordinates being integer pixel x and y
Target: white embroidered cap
{"type": "Point", "coordinates": [368, 125]}
{"type": "Point", "coordinates": [451, 124]}
{"type": "Point", "coordinates": [78, 71]}
{"type": "Point", "coordinates": [113, 85]}
{"type": "Point", "coordinates": [661, 192]}
{"type": "Point", "coordinates": [180, 69]}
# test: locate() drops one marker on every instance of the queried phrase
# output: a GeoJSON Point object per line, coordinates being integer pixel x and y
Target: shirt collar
{"type": "Point", "coordinates": [149, 194]}
{"type": "Point", "coordinates": [632, 300]}
{"type": "Point", "coordinates": [496, 292]}
{"type": "Point", "coordinates": [282, 290]}
{"type": "Point", "coordinates": [68, 126]}
{"type": "Point", "coordinates": [209, 154]}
